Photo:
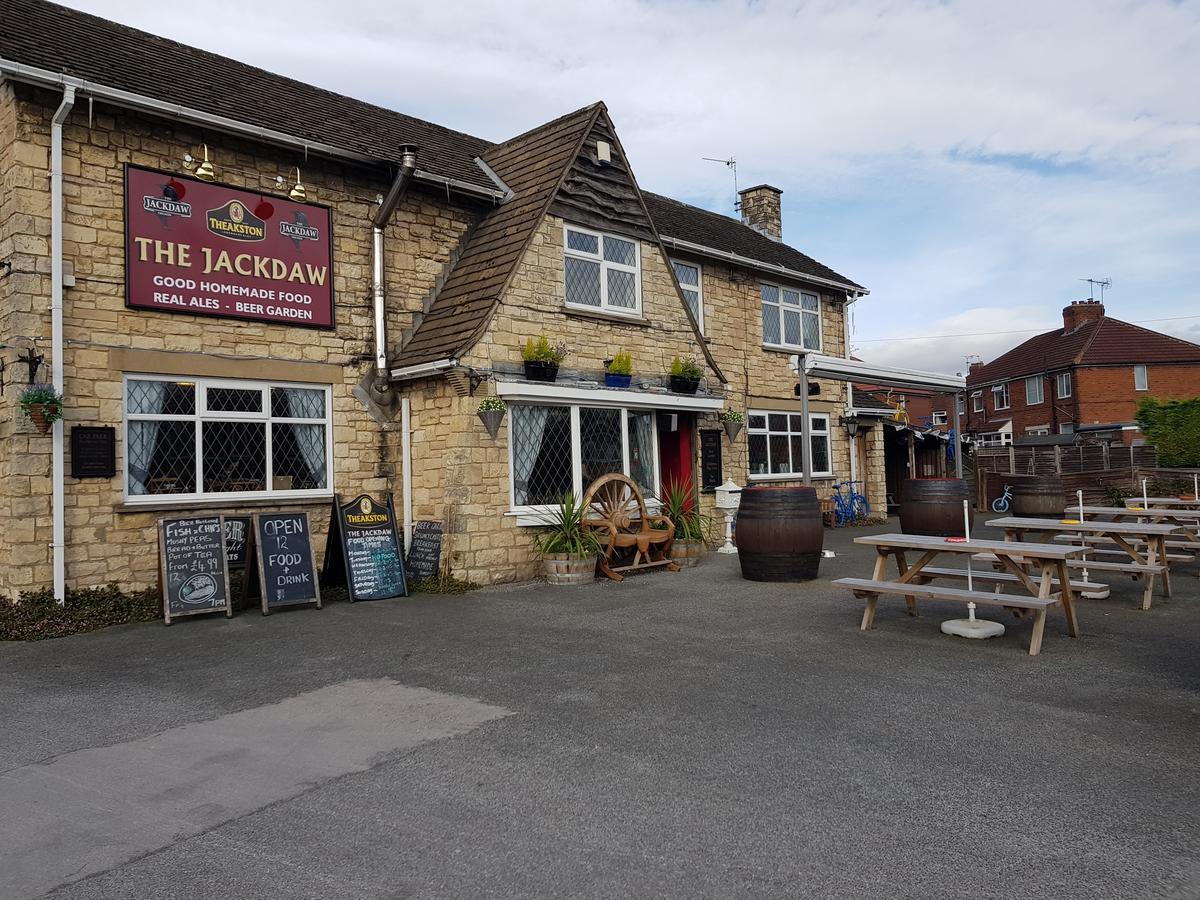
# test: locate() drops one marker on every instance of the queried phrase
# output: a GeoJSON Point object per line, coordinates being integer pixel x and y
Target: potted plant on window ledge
{"type": "Point", "coordinates": [43, 405]}
{"type": "Point", "coordinates": [542, 358]}
{"type": "Point", "coordinates": [569, 548]}
{"type": "Point", "coordinates": [619, 371]}
{"type": "Point", "coordinates": [682, 507]}
{"type": "Point", "coordinates": [685, 375]}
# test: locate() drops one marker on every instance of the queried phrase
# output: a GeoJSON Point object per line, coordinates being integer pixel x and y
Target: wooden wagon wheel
{"type": "Point", "coordinates": [607, 501]}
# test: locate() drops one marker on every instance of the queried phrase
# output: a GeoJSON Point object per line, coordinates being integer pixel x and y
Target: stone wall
{"type": "Point", "coordinates": [108, 540]}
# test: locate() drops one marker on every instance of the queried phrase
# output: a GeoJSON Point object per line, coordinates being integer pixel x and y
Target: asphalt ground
{"type": "Point", "coordinates": [677, 735]}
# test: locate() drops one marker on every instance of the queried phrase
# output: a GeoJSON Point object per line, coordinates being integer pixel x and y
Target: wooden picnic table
{"type": "Point", "coordinates": [1194, 503]}
{"type": "Point", "coordinates": [1145, 543]}
{"type": "Point", "coordinates": [1188, 521]}
{"type": "Point", "coordinates": [1051, 585]}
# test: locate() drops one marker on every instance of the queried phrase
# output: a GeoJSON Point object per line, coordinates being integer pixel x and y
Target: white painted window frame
{"type": "Point", "coordinates": [699, 287]}
{"type": "Point", "coordinates": [819, 312]}
{"type": "Point", "coordinates": [1001, 390]}
{"type": "Point", "coordinates": [1059, 380]}
{"type": "Point", "coordinates": [1038, 430]}
{"type": "Point", "coordinates": [977, 401]}
{"type": "Point", "coordinates": [1142, 383]}
{"type": "Point", "coordinates": [940, 417]}
{"type": "Point", "coordinates": [605, 266]}
{"type": "Point", "coordinates": [1035, 382]}
{"type": "Point", "coordinates": [536, 514]}
{"type": "Point", "coordinates": [202, 415]}
{"type": "Point", "coordinates": [826, 432]}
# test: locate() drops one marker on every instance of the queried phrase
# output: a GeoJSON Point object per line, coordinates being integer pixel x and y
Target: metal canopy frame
{"type": "Point", "coordinates": [835, 368]}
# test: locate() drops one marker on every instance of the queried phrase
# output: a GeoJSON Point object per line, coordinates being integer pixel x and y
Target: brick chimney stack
{"type": "Point", "coordinates": [762, 211]}
{"type": "Point", "coordinates": [1080, 312]}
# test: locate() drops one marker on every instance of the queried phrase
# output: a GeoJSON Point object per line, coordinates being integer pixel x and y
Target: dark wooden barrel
{"type": "Point", "coordinates": [935, 506]}
{"type": "Point", "coordinates": [1038, 495]}
{"type": "Point", "coordinates": [779, 533]}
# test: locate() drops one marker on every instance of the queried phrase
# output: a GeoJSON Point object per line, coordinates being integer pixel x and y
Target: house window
{"type": "Point", "coordinates": [1034, 390]}
{"type": "Point", "coordinates": [214, 438]}
{"type": "Point", "coordinates": [557, 450]}
{"type": "Point", "coordinates": [1038, 430]}
{"type": "Point", "coordinates": [790, 318]}
{"type": "Point", "coordinates": [690, 279]}
{"type": "Point", "coordinates": [995, 439]}
{"type": "Point", "coordinates": [1063, 385]}
{"type": "Point", "coordinates": [1141, 380]}
{"type": "Point", "coordinates": [1066, 428]}
{"type": "Point", "coordinates": [1000, 396]}
{"type": "Point", "coordinates": [977, 401]}
{"type": "Point", "coordinates": [940, 417]}
{"type": "Point", "coordinates": [776, 444]}
{"type": "Point", "coordinates": [960, 402]}
{"type": "Point", "coordinates": [602, 272]}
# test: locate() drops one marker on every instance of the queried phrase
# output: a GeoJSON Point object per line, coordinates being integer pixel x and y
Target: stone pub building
{"type": "Point", "coordinates": [271, 293]}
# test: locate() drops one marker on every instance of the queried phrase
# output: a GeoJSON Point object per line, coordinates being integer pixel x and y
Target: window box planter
{"type": "Point", "coordinates": [541, 371]}
{"type": "Point", "coordinates": [617, 381]}
{"type": "Point", "coordinates": [681, 384]}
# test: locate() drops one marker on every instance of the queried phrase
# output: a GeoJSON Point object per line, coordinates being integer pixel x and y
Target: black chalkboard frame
{"type": "Point", "coordinates": [84, 465]}
{"type": "Point", "coordinates": [433, 527]}
{"type": "Point", "coordinates": [336, 569]}
{"type": "Point", "coordinates": [710, 454]}
{"type": "Point", "coordinates": [163, 582]}
{"type": "Point", "coordinates": [254, 558]}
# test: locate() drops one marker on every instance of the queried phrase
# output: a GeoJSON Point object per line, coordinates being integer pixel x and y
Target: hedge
{"type": "Point", "coordinates": [1173, 427]}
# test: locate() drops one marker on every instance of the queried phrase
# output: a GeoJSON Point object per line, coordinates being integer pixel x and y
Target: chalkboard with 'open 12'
{"type": "Point", "coordinates": [192, 568]}
{"type": "Point", "coordinates": [287, 571]}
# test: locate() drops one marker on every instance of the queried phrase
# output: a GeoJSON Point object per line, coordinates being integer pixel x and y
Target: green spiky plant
{"type": "Point", "coordinates": [682, 507]}
{"type": "Point", "coordinates": [564, 531]}
{"type": "Point", "coordinates": [621, 364]}
{"type": "Point", "coordinates": [686, 368]}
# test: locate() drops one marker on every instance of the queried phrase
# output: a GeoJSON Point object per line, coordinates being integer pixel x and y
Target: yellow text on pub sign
{"type": "Point", "coordinates": [250, 265]}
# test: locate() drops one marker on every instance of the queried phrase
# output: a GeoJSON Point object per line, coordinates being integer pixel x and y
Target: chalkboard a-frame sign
{"type": "Point", "coordinates": [281, 551]}
{"type": "Point", "coordinates": [193, 572]}
{"type": "Point", "coordinates": [363, 550]}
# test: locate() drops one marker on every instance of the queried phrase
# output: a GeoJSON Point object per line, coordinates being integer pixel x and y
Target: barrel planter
{"type": "Point", "coordinates": [1038, 495]}
{"type": "Point", "coordinates": [563, 568]}
{"type": "Point", "coordinates": [687, 553]}
{"type": "Point", "coordinates": [935, 506]}
{"type": "Point", "coordinates": [779, 533]}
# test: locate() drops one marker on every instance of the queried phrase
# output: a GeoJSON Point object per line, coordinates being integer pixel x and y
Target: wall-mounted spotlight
{"type": "Point", "coordinates": [297, 192]}
{"type": "Point", "coordinates": [203, 169]}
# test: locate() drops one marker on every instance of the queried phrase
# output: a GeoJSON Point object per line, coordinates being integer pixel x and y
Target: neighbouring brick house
{"type": "Point", "coordinates": [1091, 372]}
{"type": "Point", "coordinates": [422, 273]}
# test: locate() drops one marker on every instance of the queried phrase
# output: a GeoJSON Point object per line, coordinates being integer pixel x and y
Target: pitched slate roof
{"type": "Point", "coordinates": [699, 226]}
{"type": "Point", "coordinates": [66, 41]}
{"type": "Point", "coordinates": [866, 400]}
{"type": "Point", "coordinates": [1102, 342]}
{"type": "Point", "coordinates": [533, 166]}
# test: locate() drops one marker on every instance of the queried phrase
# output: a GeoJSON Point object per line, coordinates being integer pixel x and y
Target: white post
{"type": "Point", "coordinates": [1196, 487]}
{"type": "Point", "coordinates": [406, 463]}
{"type": "Point", "coordinates": [967, 535]}
{"type": "Point", "coordinates": [1145, 497]}
{"type": "Point", "coordinates": [57, 466]}
{"type": "Point", "coordinates": [1082, 535]}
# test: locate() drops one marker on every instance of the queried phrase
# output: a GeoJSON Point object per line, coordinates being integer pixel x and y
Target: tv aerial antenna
{"type": "Point", "coordinates": [731, 165]}
{"type": "Point", "coordinates": [1093, 283]}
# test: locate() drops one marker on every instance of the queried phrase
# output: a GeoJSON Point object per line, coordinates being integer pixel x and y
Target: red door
{"type": "Point", "coordinates": [675, 454]}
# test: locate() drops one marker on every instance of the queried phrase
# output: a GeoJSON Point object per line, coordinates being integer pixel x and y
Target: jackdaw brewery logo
{"type": "Point", "coordinates": [299, 230]}
{"type": "Point", "coordinates": [169, 205]}
{"type": "Point", "coordinates": [235, 222]}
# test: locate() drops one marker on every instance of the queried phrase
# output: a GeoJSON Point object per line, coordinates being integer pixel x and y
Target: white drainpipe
{"type": "Point", "coordinates": [58, 541]}
{"type": "Point", "coordinates": [406, 462]}
{"type": "Point", "coordinates": [408, 165]}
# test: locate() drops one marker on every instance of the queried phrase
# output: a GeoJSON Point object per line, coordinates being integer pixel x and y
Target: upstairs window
{"type": "Point", "coordinates": [603, 272]}
{"type": "Point", "coordinates": [1033, 390]}
{"type": "Point", "coordinates": [790, 318]}
{"type": "Point", "coordinates": [977, 401]}
{"type": "Point", "coordinates": [1000, 396]}
{"type": "Point", "coordinates": [940, 417]}
{"type": "Point", "coordinates": [689, 275]}
{"type": "Point", "coordinates": [1141, 379]}
{"type": "Point", "coordinates": [1063, 381]}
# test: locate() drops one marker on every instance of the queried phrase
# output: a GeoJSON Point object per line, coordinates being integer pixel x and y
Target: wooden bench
{"type": "Point", "coordinates": [870, 590]}
{"type": "Point", "coordinates": [1006, 578]}
{"type": "Point", "coordinates": [614, 509]}
{"type": "Point", "coordinates": [1103, 546]}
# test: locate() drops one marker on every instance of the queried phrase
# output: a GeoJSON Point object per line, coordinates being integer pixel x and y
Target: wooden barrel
{"type": "Point", "coordinates": [1038, 495]}
{"type": "Point", "coordinates": [779, 533]}
{"type": "Point", "coordinates": [935, 506]}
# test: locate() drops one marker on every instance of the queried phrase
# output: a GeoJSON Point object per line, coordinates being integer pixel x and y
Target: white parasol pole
{"type": "Point", "coordinates": [1082, 534]}
{"type": "Point", "coordinates": [1145, 498]}
{"type": "Point", "coordinates": [1196, 487]}
{"type": "Point", "coordinates": [971, 627]}
{"type": "Point", "coordinates": [967, 535]}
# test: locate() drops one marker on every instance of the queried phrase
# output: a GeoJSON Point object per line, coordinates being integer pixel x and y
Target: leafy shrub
{"type": "Point", "coordinates": [621, 364]}
{"type": "Point", "coordinates": [1174, 428]}
{"type": "Point", "coordinates": [492, 404]}
{"type": "Point", "coordinates": [690, 523]}
{"type": "Point", "coordinates": [45, 396]}
{"type": "Point", "coordinates": [686, 368]}
{"type": "Point", "coordinates": [732, 415]}
{"type": "Point", "coordinates": [543, 351]}
{"type": "Point", "coordinates": [35, 616]}
{"type": "Point", "coordinates": [564, 531]}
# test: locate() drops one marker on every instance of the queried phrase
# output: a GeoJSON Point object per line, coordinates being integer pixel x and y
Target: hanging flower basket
{"type": "Point", "coordinates": [43, 405]}
{"type": "Point", "coordinates": [732, 429]}
{"type": "Point", "coordinates": [491, 414]}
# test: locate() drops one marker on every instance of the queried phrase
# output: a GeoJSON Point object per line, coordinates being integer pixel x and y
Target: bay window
{"type": "Point", "coordinates": [776, 444]}
{"type": "Point", "coordinates": [560, 449]}
{"type": "Point", "coordinates": [603, 272]}
{"type": "Point", "coordinates": [220, 439]}
{"type": "Point", "coordinates": [790, 318]}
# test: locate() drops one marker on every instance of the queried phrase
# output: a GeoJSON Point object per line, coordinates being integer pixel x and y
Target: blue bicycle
{"type": "Point", "coordinates": [851, 506]}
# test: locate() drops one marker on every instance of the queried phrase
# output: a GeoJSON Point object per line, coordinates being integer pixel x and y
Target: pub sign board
{"type": "Point", "coordinates": [363, 550]}
{"type": "Point", "coordinates": [192, 568]}
{"type": "Point", "coordinates": [209, 249]}
{"type": "Point", "coordinates": [281, 551]}
{"type": "Point", "coordinates": [711, 475]}
{"type": "Point", "coordinates": [93, 451]}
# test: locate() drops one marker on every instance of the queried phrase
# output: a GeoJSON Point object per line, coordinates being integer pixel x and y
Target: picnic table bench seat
{"type": "Point", "coordinates": [992, 576]}
{"type": "Point", "coordinates": [1101, 549]}
{"type": "Point", "coordinates": [870, 589]}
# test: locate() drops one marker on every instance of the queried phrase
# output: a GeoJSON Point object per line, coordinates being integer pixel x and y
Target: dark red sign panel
{"type": "Point", "coordinates": [213, 250]}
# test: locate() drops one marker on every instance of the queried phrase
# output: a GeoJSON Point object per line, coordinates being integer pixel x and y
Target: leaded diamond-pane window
{"type": "Point", "coordinates": [599, 443]}
{"type": "Point", "coordinates": [790, 318]}
{"type": "Point", "coordinates": [602, 271]}
{"type": "Point", "coordinates": [214, 438]}
{"type": "Point", "coordinates": [541, 454]}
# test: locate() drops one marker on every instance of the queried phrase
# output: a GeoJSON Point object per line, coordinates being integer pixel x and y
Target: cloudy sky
{"type": "Point", "coordinates": [969, 162]}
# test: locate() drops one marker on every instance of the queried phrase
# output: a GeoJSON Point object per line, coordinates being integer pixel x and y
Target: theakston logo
{"type": "Point", "coordinates": [235, 222]}
{"type": "Point", "coordinates": [164, 207]}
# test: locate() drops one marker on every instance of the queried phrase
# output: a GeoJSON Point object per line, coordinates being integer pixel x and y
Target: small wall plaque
{"type": "Point", "coordinates": [93, 451]}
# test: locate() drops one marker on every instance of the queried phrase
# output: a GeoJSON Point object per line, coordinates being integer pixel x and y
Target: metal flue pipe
{"type": "Point", "coordinates": [408, 165]}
